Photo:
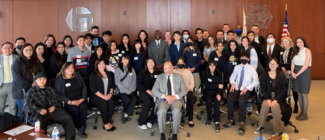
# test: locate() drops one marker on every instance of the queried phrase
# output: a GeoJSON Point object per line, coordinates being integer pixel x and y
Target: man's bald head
{"type": "Point", "coordinates": [168, 68]}
{"type": "Point", "coordinates": [157, 34]}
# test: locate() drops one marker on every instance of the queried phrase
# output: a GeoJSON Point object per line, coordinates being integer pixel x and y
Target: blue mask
{"type": "Point", "coordinates": [185, 37]}
{"type": "Point", "coordinates": [238, 31]}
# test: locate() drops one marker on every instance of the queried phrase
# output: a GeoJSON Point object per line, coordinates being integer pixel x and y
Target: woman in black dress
{"type": "Point", "coordinates": [58, 59]}
{"type": "Point", "coordinates": [39, 50]}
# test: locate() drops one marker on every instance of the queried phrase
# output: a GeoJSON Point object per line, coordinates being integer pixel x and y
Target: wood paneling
{"type": "Point", "coordinates": [157, 17]}
{"type": "Point", "coordinates": [33, 20]}
{"type": "Point", "coordinates": [118, 24]}
{"type": "Point", "coordinates": [94, 6]}
{"type": "Point", "coordinates": [180, 15]}
{"type": "Point", "coordinates": [6, 27]}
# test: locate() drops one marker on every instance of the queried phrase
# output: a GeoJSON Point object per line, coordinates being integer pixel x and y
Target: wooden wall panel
{"type": "Point", "coordinates": [33, 20]}
{"type": "Point", "coordinates": [118, 24]}
{"type": "Point", "coordinates": [94, 6]}
{"type": "Point", "coordinates": [157, 17]}
{"type": "Point", "coordinates": [6, 26]}
{"type": "Point", "coordinates": [180, 15]}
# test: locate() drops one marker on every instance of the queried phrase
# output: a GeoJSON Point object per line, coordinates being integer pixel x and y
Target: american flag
{"type": "Point", "coordinates": [285, 30]}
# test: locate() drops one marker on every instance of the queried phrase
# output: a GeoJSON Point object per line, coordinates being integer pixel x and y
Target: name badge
{"type": "Point", "coordinates": [78, 60]}
{"type": "Point", "coordinates": [210, 80]}
{"type": "Point", "coordinates": [67, 85]}
{"type": "Point", "coordinates": [216, 59]}
{"type": "Point", "coordinates": [155, 76]}
{"type": "Point", "coordinates": [130, 74]}
{"type": "Point", "coordinates": [135, 58]}
{"type": "Point", "coordinates": [281, 53]}
{"type": "Point", "coordinates": [92, 51]}
{"type": "Point", "coordinates": [262, 52]}
{"type": "Point", "coordinates": [194, 54]}
{"type": "Point", "coordinates": [78, 56]}
{"type": "Point", "coordinates": [119, 55]}
{"type": "Point", "coordinates": [123, 52]}
{"type": "Point", "coordinates": [234, 63]}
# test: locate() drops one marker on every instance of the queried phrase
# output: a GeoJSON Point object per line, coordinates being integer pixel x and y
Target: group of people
{"type": "Point", "coordinates": [168, 70]}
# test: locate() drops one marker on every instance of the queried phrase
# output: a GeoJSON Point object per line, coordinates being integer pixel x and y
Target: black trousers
{"type": "Point", "coordinates": [59, 116]}
{"type": "Point", "coordinates": [147, 101]}
{"type": "Point", "coordinates": [78, 113]}
{"type": "Point", "coordinates": [242, 99]}
{"type": "Point", "coordinates": [211, 97]}
{"type": "Point", "coordinates": [189, 105]}
{"type": "Point", "coordinates": [129, 102]}
{"type": "Point", "coordinates": [106, 108]}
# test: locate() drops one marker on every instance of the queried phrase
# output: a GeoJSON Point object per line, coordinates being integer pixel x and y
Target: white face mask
{"type": "Point", "coordinates": [270, 40]}
{"type": "Point", "coordinates": [185, 36]}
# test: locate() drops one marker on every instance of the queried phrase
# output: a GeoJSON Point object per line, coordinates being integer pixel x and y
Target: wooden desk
{"type": "Point", "coordinates": [24, 136]}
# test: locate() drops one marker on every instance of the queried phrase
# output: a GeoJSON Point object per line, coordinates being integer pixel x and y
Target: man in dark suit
{"type": "Point", "coordinates": [176, 49]}
{"type": "Point", "coordinates": [271, 49]}
{"type": "Point", "coordinates": [220, 37]}
{"type": "Point", "coordinates": [170, 89]}
{"type": "Point", "coordinates": [97, 40]}
{"type": "Point", "coordinates": [6, 60]}
{"type": "Point", "coordinates": [158, 50]}
{"type": "Point", "coordinates": [258, 39]}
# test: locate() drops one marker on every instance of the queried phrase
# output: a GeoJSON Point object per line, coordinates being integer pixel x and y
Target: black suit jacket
{"type": "Point", "coordinates": [97, 84]}
{"type": "Point", "coordinates": [262, 40]}
{"type": "Point", "coordinates": [281, 91]}
{"type": "Point", "coordinates": [287, 65]}
{"type": "Point", "coordinates": [276, 53]}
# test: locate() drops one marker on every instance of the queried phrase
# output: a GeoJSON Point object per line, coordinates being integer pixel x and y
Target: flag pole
{"type": "Point", "coordinates": [286, 6]}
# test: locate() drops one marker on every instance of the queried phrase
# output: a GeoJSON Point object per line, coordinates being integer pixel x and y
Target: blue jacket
{"type": "Point", "coordinates": [138, 61]}
{"type": "Point", "coordinates": [174, 53]}
{"type": "Point", "coordinates": [100, 41]}
{"type": "Point", "coordinates": [193, 59]}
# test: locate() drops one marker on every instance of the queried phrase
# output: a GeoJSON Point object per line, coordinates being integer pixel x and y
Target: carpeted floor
{"type": "Point", "coordinates": [309, 129]}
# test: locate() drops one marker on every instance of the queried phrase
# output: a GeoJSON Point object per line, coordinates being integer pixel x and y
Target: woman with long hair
{"type": "Point", "coordinates": [98, 54]}
{"type": "Point", "coordinates": [113, 56]}
{"type": "Point", "coordinates": [300, 70]}
{"type": "Point", "coordinates": [125, 46]}
{"type": "Point", "coordinates": [23, 71]}
{"type": "Point", "coordinates": [210, 47]}
{"type": "Point", "coordinates": [58, 58]}
{"type": "Point", "coordinates": [232, 58]}
{"type": "Point", "coordinates": [50, 43]}
{"type": "Point", "coordinates": [143, 36]}
{"type": "Point", "coordinates": [68, 43]}
{"type": "Point", "coordinates": [137, 56]}
{"type": "Point", "coordinates": [39, 50]}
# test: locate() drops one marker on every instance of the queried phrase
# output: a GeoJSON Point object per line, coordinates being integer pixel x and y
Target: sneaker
{"type": "Point", "coordinates": [241, 129]}
{"type": "Point", "coordinates": [143, 127]}
{"type": "Point", "coordinates": [258, 130]}
{"type": "Point", "coordinates": [276, 134]}
{"type": "Point", "coordinates": [249, 109]}
{"type": "Point", "coordinates": [217, 128]}
{"type": "Point", "coordinates": [149, 125]}
{"type": "Point", "coordinates": [136, 106]}
{"type": "Point", "coordinates": [229, 124]}
{"type": "Point", "coordinates": [208, 123]}
{"type": "Point", "coordinates": [140, 106]}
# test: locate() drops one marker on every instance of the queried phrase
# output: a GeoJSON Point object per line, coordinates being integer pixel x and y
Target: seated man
{"type": "Point", "coordinates": [43, 103]}
{"type": "Point", "coordinates": [243, 79]}
{"type": "Point", "coordinates": [170, 90]}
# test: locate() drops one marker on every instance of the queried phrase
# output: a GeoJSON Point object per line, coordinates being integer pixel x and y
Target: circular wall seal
{"type": "Point", "coordinates": [259, 15]}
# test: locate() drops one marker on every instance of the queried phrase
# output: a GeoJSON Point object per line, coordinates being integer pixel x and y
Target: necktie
{"type": "Point", "coordinates": [270, 53]}
{"type": "Point", "coordinates": [169, 86]}
{"type": "Point", "coordinates": [7, 70]}
{"type": "Point", "coordinates": [158, 45]}
{"type": "Point", "coordinates": [95, 42]}
{"type": "Point", "coordinates": [241, 78]}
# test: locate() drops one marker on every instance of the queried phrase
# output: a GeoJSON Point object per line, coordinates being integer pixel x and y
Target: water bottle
{"type": "Point", "coordinates": [55, 134]}
{"type": "Point", "coordinates": [37, 126]}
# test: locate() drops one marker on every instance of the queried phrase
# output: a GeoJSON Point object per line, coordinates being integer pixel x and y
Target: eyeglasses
{"type": "Point", "coordinates": [28, 50]}
{"type": "Point", "coordinates": [7, 48]}
{"type": "Point", "coordinates": [285, 42]}
{"type": "Point", "coordinates": [273, 64]}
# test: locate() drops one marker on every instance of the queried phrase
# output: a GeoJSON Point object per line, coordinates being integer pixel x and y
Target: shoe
{"type": "Point", "coordinates": [143, 127]}
{"type": "Point", "coordinates": [110, 130]}
{"type": "Point", "coordinates": [191, 125]}
{"type": "Point", "coordinates": [199, 104]}
{"type": "Point", "coordinates": [229, 124]}
{"type": "Point", "coordinates": [276, 134]}
{"type": "Point", "coordinates": [81, 132]}
{"type": "Point", "coordinates": [299, 115]}
{"type": "Point", "coordinates": [258, 130]}
{"type": "Point", "coordinates": [174, 138]}
{"type": "Point", "coordinates": [207, 123]}
{"type": "Point", "coordinates": [149, 125]}
{"type": "Point", "coordinates": [295, 109]}
{"type": "Point", "coordinates": [162, 137]}
{"type": "Point", "coordinates": [249, 109]}
{"type": "Point", "coordinates": [217, 128]}
{"type": "Point", "coordinates": [302, 117]}
{"type": "Point", "coordinates": [241, 129]}
{"type": "Point", "coordinates": [136, 106]}
{"type": "Point", "coordinates": [139, 106]}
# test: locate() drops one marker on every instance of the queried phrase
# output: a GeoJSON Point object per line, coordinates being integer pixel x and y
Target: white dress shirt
{"type": "Point", "coordinates": [88, 47]}
{"type": "Point", "coordinates": [250, 77]}
{"type": "Point", "coordinates": [157, 41]}
{"type": "Point", "coordinates": [272, 48]}
{"type": "Point", "coordinates": [10, 63]}
{"type": "Point", "coordinates": [256, 40]}
{"type": "Point", "coordinates": [172, 86]}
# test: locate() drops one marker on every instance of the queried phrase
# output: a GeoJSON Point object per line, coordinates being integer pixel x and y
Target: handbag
{"type": "Point", "coordinates": [117, 90]}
